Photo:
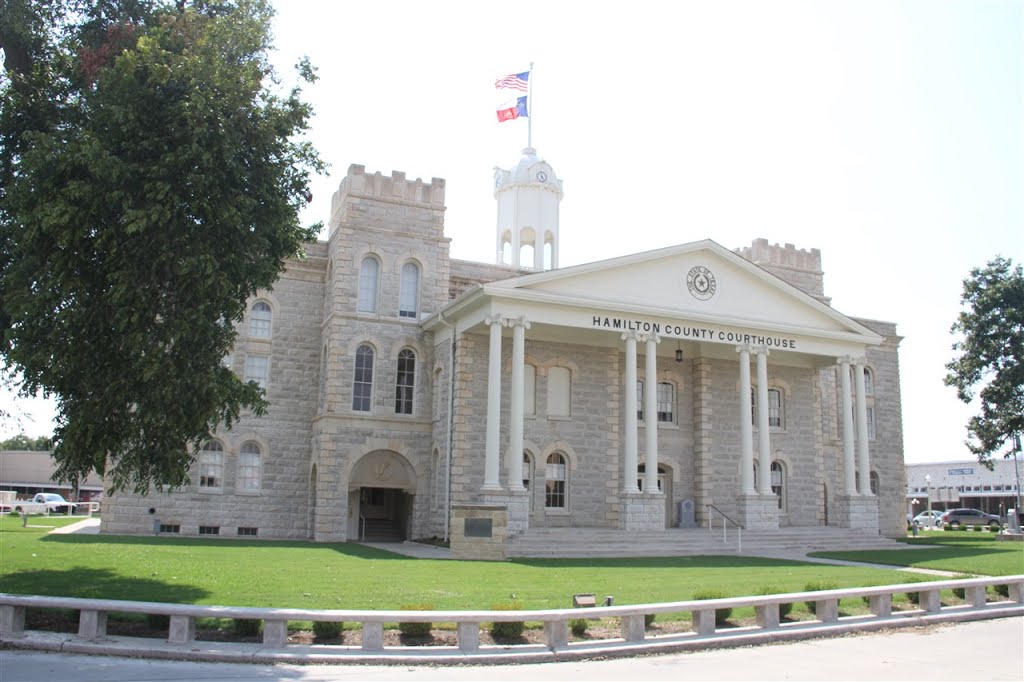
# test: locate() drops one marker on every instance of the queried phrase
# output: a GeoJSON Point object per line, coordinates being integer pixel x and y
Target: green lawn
{"type": "Point", "coordinates": [957, 551]}
{"type": "Point", "coordinates": [299, 574]}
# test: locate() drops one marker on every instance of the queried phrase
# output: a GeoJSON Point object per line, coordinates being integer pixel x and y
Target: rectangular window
{"type": "Point", "coordinates": [871, 423]}
{"type": "Point", "coordinates": [246, 531]}
{"type": "Point", "coordinates": [209, 530]}
{"type": "Point", "coordinates": [170, 528]}
{"type": "Point", "coordinates": [666, 402]}
{"type": "Point", "coordinates": [529, 390]}
{"type": "Point", "coordinates": [211, 470]}
{"type": "Point", "coordinates": [639, 400]}
{"type": "Point", "coordinates": [558, 392]}
{"type": "Point", "coordinates": [257, 368]}
{"type": "Point", "coordinates": [775, 408]}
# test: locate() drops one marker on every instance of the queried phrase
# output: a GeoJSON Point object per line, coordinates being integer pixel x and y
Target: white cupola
{"type": "Point", "coordinates": [528, 197]}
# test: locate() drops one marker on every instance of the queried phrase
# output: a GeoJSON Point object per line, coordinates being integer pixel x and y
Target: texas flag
{"type": "Point", "coordinates": [512, 110]}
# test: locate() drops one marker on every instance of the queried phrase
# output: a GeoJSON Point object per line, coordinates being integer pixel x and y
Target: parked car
{"type": "Point", "coordinates": [958, 518]}
{"type": "Point", "coordinates": [45, 503]}
{"type": "Point", "coordinates": [927, 519]}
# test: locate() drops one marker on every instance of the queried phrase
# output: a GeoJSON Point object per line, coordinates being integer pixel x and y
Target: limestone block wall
{"type": "Point", "coordinates": [795, 444]}
{"type": "Point", "coordinates": [279, 508]}
{"type": "Point", "coordinates": [587, 438]}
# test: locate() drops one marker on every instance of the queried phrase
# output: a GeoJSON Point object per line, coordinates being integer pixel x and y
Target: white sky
{"type": "Point", "coordinates": [888, 134]}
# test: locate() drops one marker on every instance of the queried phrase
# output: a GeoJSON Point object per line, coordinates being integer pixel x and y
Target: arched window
{"type": "Point", "coordinates": [779, 483]}
{"type": "Point", "coordinates": [873, 482]}
{"type": "Point", "coordinates": [368, 275]}
{"type": "Point", "coordinates": [527, 469]}
{"type": "Point", "coordinates": [409, 293]}
{"type": "Point", "coordinates": [666, 402]}
{"type": "Point", "coordinates": [362, 382]}
{"type": "Point", "coordinates": [405, 381]}
{"type": "Point", "coordinates": [249, 465]}
{"type": "Point", "coordinates": [559, 392]}
{"type": "Point", "coordinates": [869, 382]}
{"type": "Point", "coordinates": [211, 466]}
{"type": "Point", "coordinates": [775, 408]}
{"type": "Point", "coordinates": [259, 320]}
{"type": "Point", "coordinates": [555, 476]}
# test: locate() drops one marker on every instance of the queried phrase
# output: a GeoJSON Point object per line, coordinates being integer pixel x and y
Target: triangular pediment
{"type": "Point", "coordinates": [700, 279]}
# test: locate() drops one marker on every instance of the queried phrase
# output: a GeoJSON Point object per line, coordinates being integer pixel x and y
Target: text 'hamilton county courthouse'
{"type": "Point", "coordinates": [416, 396]}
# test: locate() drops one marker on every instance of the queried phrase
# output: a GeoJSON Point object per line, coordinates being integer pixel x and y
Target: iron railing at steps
{"type": "Point", "coordinates": [726, 520]}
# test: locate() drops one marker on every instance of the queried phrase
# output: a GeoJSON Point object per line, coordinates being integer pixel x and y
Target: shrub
{"type": "Point", "coordinates": [946, 526]}
{"type": "Point", "coordinates": [649, 619]}
{"type": "Point", "coordinates": [979, 528]}
{"type": "Point", "coordinates": [578, 626]}
{"type": "Point", "coordinates": [246, 627]}
{"type": "Point", "coordinates": [784, 608]}
{"type": "Point", "coordinates": [721, 615]}
{"type": "Point", "coordinates": [959, 592]}
{"type": "Point", "coordinates": [158, 621]}
{"type": "Point", "coordinates": [507, 630]}
{"type": "Point", "coordinates": [407, 629]}
{"type": "Point", "coordinates": [818, 586]}
{"type": "Point", "coordinates": [1002, 590]}
{"type": "Point", "coordinates": [324, 630]}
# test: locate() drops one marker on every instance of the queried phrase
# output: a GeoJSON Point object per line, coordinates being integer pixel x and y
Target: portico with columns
{"type": "Point", "coordinates": [600, 319]}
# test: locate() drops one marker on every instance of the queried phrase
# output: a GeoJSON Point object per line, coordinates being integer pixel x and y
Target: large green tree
{"type": "Point", "coordinates": [990, 354]}
{"type": "Point", "coordinates": [152, 175]}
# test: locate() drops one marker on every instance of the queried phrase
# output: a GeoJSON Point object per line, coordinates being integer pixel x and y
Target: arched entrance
{"type": "Point", "coordinates": [381, 491]}
{"type": "Point", "coordinates": [664, 486]}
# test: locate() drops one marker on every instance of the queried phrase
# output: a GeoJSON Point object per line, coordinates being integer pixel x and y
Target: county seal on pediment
{"type": "Point", "coordinates": [701, 283]}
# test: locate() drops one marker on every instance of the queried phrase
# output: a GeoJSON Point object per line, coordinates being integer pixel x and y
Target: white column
{"type": "Point", "coordinates": [763, 442]}
{"type": "Point", "coordinates": [847, 410]}
{"type": "Point", "coordinates": [538, 249]}
{"type": "Point", "coordinates": [629, 466]}
{"type": "Point", "coordinates": [515, 426]}
{"type": "Point", "coordinates": [651, 414]}
{"type": "Point", "coordinates": [491, 481]}
{"type": "Point", "coordinates": [746, 428]}
{"type": "Point", "coordinates": [863, 465]}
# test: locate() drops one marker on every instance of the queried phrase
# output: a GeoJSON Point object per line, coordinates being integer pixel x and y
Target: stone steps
{"type": "Point", "coordinates": [609, 542]}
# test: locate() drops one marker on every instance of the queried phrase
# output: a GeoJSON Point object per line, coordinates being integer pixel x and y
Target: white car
{"type": "Point", "coordinates": [927, 519]}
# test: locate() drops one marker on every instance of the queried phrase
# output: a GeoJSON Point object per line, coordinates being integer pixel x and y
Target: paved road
{"type": "Point", "coordinates": [981, 650]}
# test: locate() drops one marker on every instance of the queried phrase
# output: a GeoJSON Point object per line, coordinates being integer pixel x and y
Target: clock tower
{"type": "Point", "coordinates": [528, 196]}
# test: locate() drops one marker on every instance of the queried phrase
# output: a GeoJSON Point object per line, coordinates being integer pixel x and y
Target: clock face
{"type": "Point", "coordinates": [542, 176]}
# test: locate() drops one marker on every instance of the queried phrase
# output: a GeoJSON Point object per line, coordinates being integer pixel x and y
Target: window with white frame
{"type": "Point", "coordinates": [260, 318]}
{"type": "Point", "coordinates": [257, 368]}
{"type": "Point", "coordinates": [559, 380]}
{"type": "Point", "coordinates": [555, 478]}
{"type": "Point", "coordinates": [640, 400]}
{"type": "Point", "coordinates": [250, 458]}
{"type": "Point", "coordinates": [405, 382]}
{"type": "Point", "coordinates": [666, 402]}
{"type": "Point", "coordinates": [211, 466]}
{"type": "Point", "coordinates": [369, 272]}
{"type": "Point", "coordinates": [869, 382]}
{"type": "Point", "coordinates": [362, 382]}
{"type": "Point", "coordinates": [779, 482]}
{"type": "Point", "coordinates": [775, 413]}
{"type": "Point", "coordinates": [409, 292]}
{"type": "Point", "coordinates": [871, 422]}
{"type": "Point", "coordinates": [873, 482]}
{"type": "Point", "coordinates": [529, 390]}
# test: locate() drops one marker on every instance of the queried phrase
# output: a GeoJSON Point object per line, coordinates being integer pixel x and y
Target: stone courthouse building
{"type": "Point", "coordinates": [413, 395]}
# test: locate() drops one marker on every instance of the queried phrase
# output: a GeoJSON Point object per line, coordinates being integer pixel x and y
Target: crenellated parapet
{"type": "Point", "coordinates": [799, 267]}
{"type": "Point", "coordinates": [394, 189]}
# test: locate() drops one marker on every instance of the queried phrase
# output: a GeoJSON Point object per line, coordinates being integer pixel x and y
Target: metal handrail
{"type": "Point", "coordinates": [725, 528]}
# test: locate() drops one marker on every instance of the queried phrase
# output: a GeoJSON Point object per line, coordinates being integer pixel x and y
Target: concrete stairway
{"type": "Point", "coordinates": [382, 530]}
{"type": "Point", "coordinates": [611, 542]}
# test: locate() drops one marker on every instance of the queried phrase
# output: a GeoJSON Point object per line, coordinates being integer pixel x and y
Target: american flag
{"type": "Point", "coordinates": [513, 81]}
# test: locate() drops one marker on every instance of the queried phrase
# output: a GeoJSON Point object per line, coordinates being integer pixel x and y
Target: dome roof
{"type": "Point", "coordinates": [530, 170]}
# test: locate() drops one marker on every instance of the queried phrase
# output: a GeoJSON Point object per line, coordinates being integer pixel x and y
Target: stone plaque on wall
{"type": "Point", "coordinates": [477, 528]}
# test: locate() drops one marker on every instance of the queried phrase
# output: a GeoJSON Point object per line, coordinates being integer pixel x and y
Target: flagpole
{"type": "Point", "coordinates": [529, 117]}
